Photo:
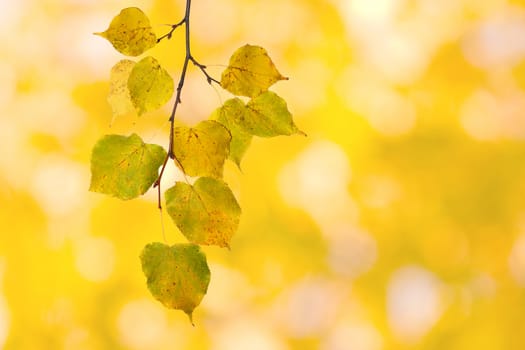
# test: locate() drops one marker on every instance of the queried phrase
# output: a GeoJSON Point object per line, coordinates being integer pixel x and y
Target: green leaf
{"type": "Point", "coordinates": [177, 276]}
{"type": "Point", "coordinates": [250, 72]}
{"type": "Point", "coordinates": [206, 213]}
{"type": "Point", "coordinates": [119, 98]}
{"type": "Point", "coordinates": [231, 115]}
{"type": "Point", "coordinates": [124, 167]}
{"type": "Point", "coordinates": [201, 150]}
{"type": "Point", "coordinates": [130, 32]}
{"type": "Point", "coordinates": [150, 86]}
{"type": "Point", "coordinates": [268, 116]}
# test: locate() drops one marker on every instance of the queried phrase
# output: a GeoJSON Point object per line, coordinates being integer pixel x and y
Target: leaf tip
{"type": "Point", "coordinates": [238, 163]}
{"type": "Point", "coordinates": [302, 133]}
{"type": "Point", "coordinates": [298, 131]}
{"type": "Point", "coordinates": [190, 316]}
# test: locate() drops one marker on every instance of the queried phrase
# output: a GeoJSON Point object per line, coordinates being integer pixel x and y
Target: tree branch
{"type": "Point", "coordinates": [187, 58]}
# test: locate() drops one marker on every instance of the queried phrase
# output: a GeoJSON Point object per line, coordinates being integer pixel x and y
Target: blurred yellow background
{"type": "Point", "coordinates": [398, 223]}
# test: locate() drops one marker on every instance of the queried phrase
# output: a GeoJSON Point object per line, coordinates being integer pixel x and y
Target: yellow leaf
{"type": "Point", "coordinates": [124, 166]}
{"type": "Point", "coordinates": [130, 32]}
{"type": "Point", "coordinates": [268, 116]}
{"type": "Point", "coordinates": [250, 72]}
{"type": "Point", "coordinates": [150, 86]}
{"type": "Point", "coordinates": [231, 115]}
{"type": "Point", "coordinates": [119, 98]}
{"type": "Point", "coordinates": [205, 213]}
{"type": "Point", "coordinates": [202, 150]}
{"type": "Point", "coordinates": [177, 276]}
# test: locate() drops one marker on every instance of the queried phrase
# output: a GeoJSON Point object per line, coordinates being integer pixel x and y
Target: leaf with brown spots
{"type": "Point", "coordinates": [124, 166]}
{"type": "Point", "coordinates": [130, 32]}
{"type": "Point", "coordinates": [150, 86]}
{"type": "Point", "coordinates": [250, 72]}
{"type": "Point", "coordinates": [201, 150]}
{"type": "Point", "coordinates": [177, 276]}
{"type": "Point", "coordinates": [206, 213]}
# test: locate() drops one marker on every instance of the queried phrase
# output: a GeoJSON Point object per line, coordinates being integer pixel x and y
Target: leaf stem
{"type": "Point", "coordinates": [157, 182]}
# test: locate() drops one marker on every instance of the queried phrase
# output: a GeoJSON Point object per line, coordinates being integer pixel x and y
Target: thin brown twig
{"type": "Point", "coordinates": [187, 58]}
{"type": "Point", "coordinates": [170, 33]}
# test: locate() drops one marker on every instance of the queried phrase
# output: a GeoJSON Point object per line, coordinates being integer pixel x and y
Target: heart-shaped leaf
{"type": "Point", "coordinates": [124, 167]}
{"type": "Point", "coordinates": [202, 150]}
{"type": "Point", "coordinates": [206, 213]}
{"type": "Point", "coordinates": [177, 276]}
{"type": "Point", "coordinates": [150, 86]}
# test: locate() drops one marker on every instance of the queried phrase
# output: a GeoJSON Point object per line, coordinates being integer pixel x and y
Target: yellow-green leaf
{"type": "Point", "coordinates": [119, 98]}
{"type": "Point", "coordinates": [201, 150]}
{"type": "Point", "coordinates": [250, 72]}
{"type": "Point", "coordinates": [177, 276]}
{"type": "Point", "coordinates": [130, 32]}
{"type": "Point", "coordinates": [231, 115]}
{"type": "Point", "coordinates": [150, 86]}
{"type": "Point", "coordinates": [206, 213]}
{"type": "Point", "coordinates": [268, 116]}
{"type": "Point", "coordinates": [124, 167]}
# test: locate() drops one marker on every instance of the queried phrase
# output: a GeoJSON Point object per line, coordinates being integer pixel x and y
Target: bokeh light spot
{"type": "Point", "coordinates": [59, 185]}
{"type": "Point", "coordinates": [487, 116]}
{"type": "Point", "coordinates": [379, 191]}
{"type": "Point", "coordinates": [228, 293]}
{"type": "Point", "coordinates": [310, 306]}
{"type": "Point", "coordinates": [4, 311]}
{"type": "Point", "coordinates": [351, 251]}
{"type": "Point", "coordinates": [217, 22]}
{"type": "Point", "coordinates": [376, 11]}
{"type": "Point", "coordinates": [499, 41]}
{"type": "Point", "coordinates": [242, 332]}
{"type": "Point", "coordinates": [317, 181]}
{"type": "Point", "coordinates": [95, 258]}
{"type": "Point", "coordinates": [354, 336]}
{"type": "Point", "coordinates": [517, 261]}
{"type": "Point", "coordinates": [414, 303]}
{"type": "Point", "coordinates": [386, 110]}
{"type": "Point", "coordinates": [142, 324]}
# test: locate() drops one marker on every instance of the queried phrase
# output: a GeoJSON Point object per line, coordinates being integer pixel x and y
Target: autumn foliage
{"type": "Point", "coordinates": [206, 212]}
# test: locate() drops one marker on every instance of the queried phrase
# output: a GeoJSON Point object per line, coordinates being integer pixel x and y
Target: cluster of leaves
{"type": "Point", "coordinates": [206, 212]}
